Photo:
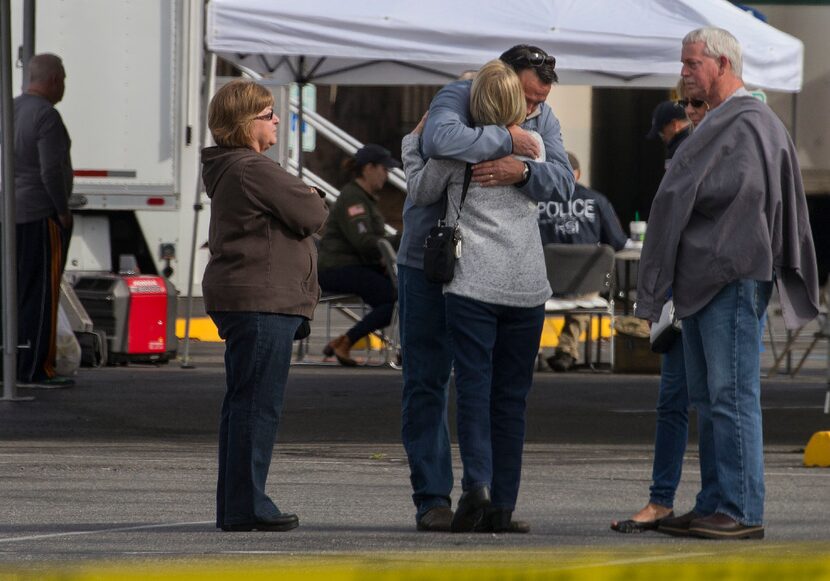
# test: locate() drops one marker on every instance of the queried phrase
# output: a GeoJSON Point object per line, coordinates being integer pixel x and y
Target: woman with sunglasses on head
{"type": "Point", "coordinates": [260, 288]}
{"type": "Point", "coordinates": [672, 432]}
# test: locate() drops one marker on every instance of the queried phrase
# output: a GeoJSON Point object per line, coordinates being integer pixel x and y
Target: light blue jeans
{"type": "Point", "coordinates": [722, 349]}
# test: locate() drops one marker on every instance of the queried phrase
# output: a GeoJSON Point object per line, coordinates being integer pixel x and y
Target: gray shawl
{"type": "Point", "coordinates": [731, 206]}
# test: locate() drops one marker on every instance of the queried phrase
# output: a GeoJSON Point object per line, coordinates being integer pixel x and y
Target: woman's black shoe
{"type": "Point", "coordinates": [472, 506]}
{"type": "Point", "coordinates": [281, 522]}
{"type": "Point", "coordinates": [500, 520]}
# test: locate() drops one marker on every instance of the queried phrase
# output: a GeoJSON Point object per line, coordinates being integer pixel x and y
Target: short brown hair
{"type": "Point", "coordinates": [497, 97]}
{"type": "Point", "coordinates": [232, 111]}
{"type": "Point", "coordinates": [44, 67]}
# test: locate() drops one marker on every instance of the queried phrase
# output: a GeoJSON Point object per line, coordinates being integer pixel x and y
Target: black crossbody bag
{"type": "Point", "coordinates": [442, 246]}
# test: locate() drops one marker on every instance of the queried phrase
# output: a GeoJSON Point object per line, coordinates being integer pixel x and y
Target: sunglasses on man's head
{"type": "Point", "coordinates": [537, 59]}
{"type": "Point", "coordinates": [696, 103]}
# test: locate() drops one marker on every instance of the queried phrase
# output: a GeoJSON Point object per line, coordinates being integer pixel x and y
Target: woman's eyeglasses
{"type": "Point", "coordinates": [537, 59]}
{"type": "Point", "coordinates": [696, 103]}
{"type": "Point", "coordinates": [266, 116]}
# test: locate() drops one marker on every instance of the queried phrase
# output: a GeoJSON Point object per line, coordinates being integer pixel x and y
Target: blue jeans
{"type": "Point", "coordinates": [495, 349]}
{"type": "Point", "coordinates": [672, 427]}
{"type": "Point", "coordinates": [372, 285]}
{"type": "Point", "coordinates": [427, 365]}
{"type": "Point", "coordinates": [672, 435]}
{"type": "Point", "coordinates": [721, 345]}
{"type": "Point", "coordinates": [257, 357]}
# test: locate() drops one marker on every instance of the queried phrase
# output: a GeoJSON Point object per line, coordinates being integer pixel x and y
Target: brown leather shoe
{"type": "Point", "coordinates": [340, 348]}
{"type": "Point", "coordinates": [436, 520]}
{"type": "Point", "coordinates": [328, 350]}
{"type": "Point", "coordinates": [678, 526]}
{"type": "Point", "coordinates": [720, 526]}
{"type": "Point", "coordinates": [342, 351]}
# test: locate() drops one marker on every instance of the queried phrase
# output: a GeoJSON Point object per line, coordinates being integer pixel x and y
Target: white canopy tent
{"type": "Point", "coordinates": [606, 43]}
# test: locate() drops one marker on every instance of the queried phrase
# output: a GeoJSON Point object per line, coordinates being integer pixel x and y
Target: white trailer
{"type": "Point", "coordinates": [133, 111]}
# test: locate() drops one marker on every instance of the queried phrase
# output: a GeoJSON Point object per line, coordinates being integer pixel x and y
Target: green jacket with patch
{"type": "Point", "coordinates": [352, 232]}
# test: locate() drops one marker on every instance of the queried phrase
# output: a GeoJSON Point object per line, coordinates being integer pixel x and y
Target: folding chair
{"type": "Point", "coordinates": [578, 275]}
{"type": "Point", "coordinates": [353, 308]}
{"type": "Point", "coordinates": [391, 338]}
{"type": "Point", "coordinates": [823, 332]}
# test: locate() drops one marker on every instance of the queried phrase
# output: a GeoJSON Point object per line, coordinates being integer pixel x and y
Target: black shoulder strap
{"type": "Point", "coordinates": [468, 174]}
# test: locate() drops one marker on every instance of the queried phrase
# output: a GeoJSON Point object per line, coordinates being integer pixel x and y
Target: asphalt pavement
{"type": "Point", "coordinates": [120, 470]}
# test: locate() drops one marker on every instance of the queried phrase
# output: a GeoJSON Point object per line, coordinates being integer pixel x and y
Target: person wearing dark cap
{"type": "Point", "coordinates": [670, 123]}
{"type": "Point", "coordinates": [350, 261]}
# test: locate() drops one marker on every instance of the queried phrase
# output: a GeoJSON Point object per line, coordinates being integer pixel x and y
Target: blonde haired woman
{"type": "Point", "coordinates": [495, 309]}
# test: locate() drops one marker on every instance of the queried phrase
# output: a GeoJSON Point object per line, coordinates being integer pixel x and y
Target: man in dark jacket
{"type": "Point", "coordinates": [587, 218]}
{"type": "Point", "coordinates": [43, 184]}
{"type": "Point", "coordinates": [671, 124]}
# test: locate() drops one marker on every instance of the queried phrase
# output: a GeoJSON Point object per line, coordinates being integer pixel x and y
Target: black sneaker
{"type": "Point", "coordinates": [561, 361]}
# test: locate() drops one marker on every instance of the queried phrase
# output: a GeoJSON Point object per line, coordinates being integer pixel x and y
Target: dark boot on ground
{"type": "Point", "coordinates": [561, 361]}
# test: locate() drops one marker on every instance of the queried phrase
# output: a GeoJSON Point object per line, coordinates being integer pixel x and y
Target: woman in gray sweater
{"type": "Point", "coordinates": [495, 308]}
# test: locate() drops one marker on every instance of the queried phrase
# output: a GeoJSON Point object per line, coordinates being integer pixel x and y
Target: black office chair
{"type": "Point", "coordinates": [581, 276]}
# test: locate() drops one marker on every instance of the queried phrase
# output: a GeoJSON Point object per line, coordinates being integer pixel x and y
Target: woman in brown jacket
{"type": "Point", "coordinates": [259, 287]}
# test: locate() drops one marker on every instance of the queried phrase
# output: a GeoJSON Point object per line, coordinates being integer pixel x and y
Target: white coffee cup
{"type": "Point", "coordinates": [638, 231]}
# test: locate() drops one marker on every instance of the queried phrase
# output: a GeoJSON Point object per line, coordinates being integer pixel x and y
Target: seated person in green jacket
{"type": "Point", "coordinates": [349, 260]}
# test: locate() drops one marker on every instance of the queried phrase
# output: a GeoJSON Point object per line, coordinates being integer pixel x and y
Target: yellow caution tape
{"type": "Point", "coordinates": [727, 561]}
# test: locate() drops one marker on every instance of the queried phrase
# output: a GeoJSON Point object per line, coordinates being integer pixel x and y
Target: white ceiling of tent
{"type": "Point", "coordinates": [634, 43]}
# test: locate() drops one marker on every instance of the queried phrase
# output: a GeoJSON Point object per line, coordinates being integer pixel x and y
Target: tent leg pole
{"type": "Point", "coordinates": [9, 241]}
{"type": "Point", "coordinates": [209, 89]}
{"type": "Point", "coordinates": [300, 85]}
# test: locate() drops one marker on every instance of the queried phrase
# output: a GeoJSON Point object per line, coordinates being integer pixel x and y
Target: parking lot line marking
{"type": "Point", "coordinates": [99, 531]}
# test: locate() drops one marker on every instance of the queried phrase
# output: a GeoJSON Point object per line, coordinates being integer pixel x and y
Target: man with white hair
{"type": "Point", "coordinates": [730, 217]}
{"type": "Point", "coordinates": [43, 184]}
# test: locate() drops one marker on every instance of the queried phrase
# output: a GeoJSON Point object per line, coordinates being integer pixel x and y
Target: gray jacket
{"type": "Point", "coordinates": [42, 167]}
{"type": "Point", "coordinates": [731, 206]}
{"type": "Point", "coordinates": [501, 260]}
